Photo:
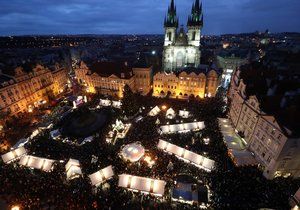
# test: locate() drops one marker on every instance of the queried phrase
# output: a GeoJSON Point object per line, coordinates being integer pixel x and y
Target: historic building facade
{"type": "Point", "coordinates": [183, 84]}
{"type": "Point", "coordinates": [21, 90]}
{"type": "Point", "coordinates": [276, 147]}
{"type": "Point", "coordinates": [109, 78]}
{"type": "Point", "coordinates": [182, 49]}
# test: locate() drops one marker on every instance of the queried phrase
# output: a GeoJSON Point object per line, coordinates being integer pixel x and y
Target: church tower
{"type": "Point", "coordinates": [181, 49]}
{"type": "Point", "coordinates": [195, 24]}
{"type": "Point", "coordinates": [171, 25]}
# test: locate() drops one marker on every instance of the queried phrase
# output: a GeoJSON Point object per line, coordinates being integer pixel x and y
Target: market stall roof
{"type": "Point", "coordinates": [198, 160]}
{"type": "Point", "coordinates": [73, 169]}
{"type": "Point", "coordinates": [154, 111]}
{"type": "Point", "coordinates": [102, 175]}
{"type": "Point", "coordinates": [170, 113]}
{"type": "Point", "coordinates": [183, 127]}
{"type": "Point", "coordinates": [142, 184]}
{"type": "Point", "coordinates": [133, 152]}
{"type": "Point", "coordinates": [13, 155]}
{"type": "Point", "coordinates": [184, 114]}
{"type": "Point", "coordinates": [43, 164]}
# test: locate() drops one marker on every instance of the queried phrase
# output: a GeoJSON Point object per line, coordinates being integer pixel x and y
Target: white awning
{"type": "Point", "coordinates": [184, 127]}
{"type": "Point", "coordinates": [184, 114]}
{"type": "Point", "coordinates": [142, 184]}
{"type": "Point", "coordinates": [105, 102]}
{"type": "Point", "coordinates": [154, 111]}
{"type": "Point", "coordinates": [194, 158]}
{"type": "Point", "coordinates": [102, 175]}
{"type": "Point", "coordinates": [13, 155]}
{"type": "Point", "coordinates": [73, 169]}
{"type": "Point", "coordinates": [43, 164]}
{"type": "Point", "coordinates": [170, 113]}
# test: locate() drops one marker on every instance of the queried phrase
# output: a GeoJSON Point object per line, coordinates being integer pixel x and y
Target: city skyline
{"type": "Point", "coordinates": [146, 17]}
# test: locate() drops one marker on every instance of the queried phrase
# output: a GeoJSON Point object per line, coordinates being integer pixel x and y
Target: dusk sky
{"type": "Point", "coordinates": [18, 17]}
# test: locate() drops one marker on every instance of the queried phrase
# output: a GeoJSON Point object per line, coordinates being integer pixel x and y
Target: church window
{"type": "Point", "coordinates": [194, 36]}
{"type": "Point", "coordinates": [169, 36]}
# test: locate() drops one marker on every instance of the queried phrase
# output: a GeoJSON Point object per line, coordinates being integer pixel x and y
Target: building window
{"type": "Point", "coordinates": [194, 36]}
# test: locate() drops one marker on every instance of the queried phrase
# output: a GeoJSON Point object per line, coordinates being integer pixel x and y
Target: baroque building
{"type": "Point", "coordinates": [109, 78]}
{"type": "Point", "coordinates": [27, 86]}
{"type": "Point", "coordinates": [182, 49]}
{"type": "Point", "coordinates": [263, 111]}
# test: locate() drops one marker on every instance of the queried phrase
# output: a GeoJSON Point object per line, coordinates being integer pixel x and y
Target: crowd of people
{"type": "Point", "coordinates": [231, 187]}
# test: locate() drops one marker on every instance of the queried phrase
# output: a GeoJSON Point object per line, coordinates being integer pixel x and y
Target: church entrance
{"type": "Point", "coordinates": [179, 60]}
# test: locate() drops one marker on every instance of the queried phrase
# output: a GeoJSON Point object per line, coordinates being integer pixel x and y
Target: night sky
{"type": "Point", "coordinates": [18, 17]}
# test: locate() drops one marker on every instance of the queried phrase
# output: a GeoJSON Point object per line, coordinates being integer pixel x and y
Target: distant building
{"type": "Point", "coordinates": [229, 61]}
{"type": "Point", "coordinates": [180, 49]}
{"type": "Point", "coordinates": [27, 86]}
{"type": "Point", "coordinates": [186, 83]}
{"type": "Point", "coordinates": [110, 77]}
{"type": "Point", "coordinates": [263, 110]}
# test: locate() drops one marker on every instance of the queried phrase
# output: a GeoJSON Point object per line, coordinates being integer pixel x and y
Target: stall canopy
{"type": "Point", "coordinates": [170, 113]}
{"type": "Point", "coordinates": [37, 163]}
{"type": "Point", "coordinates": [184, 127]}
{"type": "Point", "coordinates": [142, 184]}
{"type": "Point", "coordinates": [154, 111]}
{"type": "Point", "coordinates": [73, 169]}
{"type": "Point", "coordinates": [186, 155]}
{"type": "Point", "coordinates": [184, 114]}
{"type": "Point", "coordinates": [13, 155]}
{"type": "Point", "coordinates": [101, 176]}
{"type": "Point", "coordinates": [104, 102]}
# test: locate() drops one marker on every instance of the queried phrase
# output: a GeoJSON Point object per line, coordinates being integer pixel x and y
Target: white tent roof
{"type": "Point", "coordinates": [73, 169]}
{"type": "Point", "coordinates": [36, 162]}
{"type": "Point", "coordinates": [102, 175]}
{"type": "Point", "coordinates": [198, 160]}
{"type": "Point", "coordinates": [117, 104]}
{"type": "Point", "coordinates": [184, 114]}
{"type": "Point", "coordinates": [154, 111]}
{"type": "Point", "coordinates": [182, 127]}
{"type": "Point", "coordinates": [105, 102]}
{"type": "Point", "coordinates": [143, 184]}
{"type": "Point", "coordinates": [13, 155]}
{"type": "Point", "coordinates": [170, 113]}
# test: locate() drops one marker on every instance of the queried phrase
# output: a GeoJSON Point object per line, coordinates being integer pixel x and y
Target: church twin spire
{"type": "Point", "coordinates": [195, 19]}
{"type": "Point", "coordinates": [171, 20]}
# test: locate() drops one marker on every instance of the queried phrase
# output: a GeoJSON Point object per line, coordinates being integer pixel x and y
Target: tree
{"type": "Point", "coordinates": [129, 102]}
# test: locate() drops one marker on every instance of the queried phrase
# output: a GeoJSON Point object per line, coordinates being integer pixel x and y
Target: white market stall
{"type": "Point", "coordinates": [184, 114]}
{"type": "Point", "coordinates": [101, 176]}
{"type": "Point", "coordinates": [170, 114]}
{"type": "Point", "coordinates": [186, 155]}
{"type": "Point", "coordinates": [154, 111]}
{"type": "Point", "coordinates": [142, 184]}
{"type": "Point", "coordinates": [43, 164]}
{"type": "Point", "coordinates": [183, 127]}
{"type": "Point", "coordinates": [13, 155]}
{"type": "Point", "coordinates": [73, 169]}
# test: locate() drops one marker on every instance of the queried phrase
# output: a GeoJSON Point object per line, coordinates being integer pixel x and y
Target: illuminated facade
{"type": "Point", "coordinates": [185, 84]}
{"type": "Point", "coordinates": [182, 49]}
{"type": "Point", "coordinates": [274, 145]}
{"type": "Point", "coordinates": [21, 90]}
{"type": "Point", "coordinates": [109, 78]}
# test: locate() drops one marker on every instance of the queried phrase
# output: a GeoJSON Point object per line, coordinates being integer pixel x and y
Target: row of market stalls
{"type": "Point", "coordinates": [187, 156]}
{"type": "Point", "coordinates": [106, 103]}
{"type": "Point", "coordinates": [182, 127]}
{"type": "Point", "coordinates": [170, 113]}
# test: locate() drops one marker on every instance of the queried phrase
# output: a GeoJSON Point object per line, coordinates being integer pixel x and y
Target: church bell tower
{"type": "Point", "coordinates": [171, 25]}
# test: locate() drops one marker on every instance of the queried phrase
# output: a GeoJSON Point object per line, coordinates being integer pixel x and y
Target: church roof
{"type": "Point", "coordinates": [181, 38]}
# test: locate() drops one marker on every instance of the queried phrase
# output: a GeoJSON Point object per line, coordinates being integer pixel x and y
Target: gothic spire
{"type": "Point", "coordinates": [171, 19]}
{"type": "Point", "coordinates": [196, 17]}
